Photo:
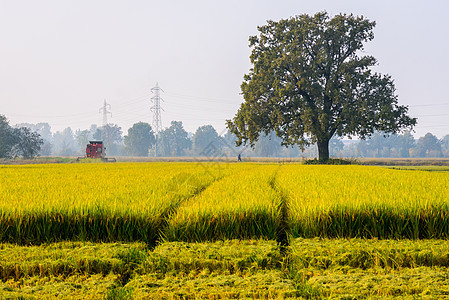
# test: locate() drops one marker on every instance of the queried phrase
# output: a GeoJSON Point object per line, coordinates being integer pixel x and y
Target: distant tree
{"type": "Point", "coordinates": [428, 146]}
{"type": "Point", "coordinates": [229, 147]}
{"type": "Point", "coordinates": [82, 139]}
{"type": "Point", "coordinates": [64, 143]}
{"type": "Point", "coordinates": [371, 147]}
{"type": "Point", "coordinates": [7, 138]}
{"type": "Point", "coordinates": [44, 130]}
{"type": "Point", "coordinates": [94, 132]}
{"type": "Point", "coordinates": [268, 145]}
{"type": "Point", "coordinates": [140, 139]}
{"type": "Point", "coordinates": [173, 141]}
{"type": "Point", "coordinates": [18, 141]}
{"type": "Point", "coordinates": [335, 146]}
{"type": "Point", "coordinates": [110, 134]}
{"type": "Point", "coordinates": [46, 148]}
{"type": "Point", "coordinates": [229, 140]}
{"type": "Point", "coordinates": [378, 145]}
{"type": "Point", "coordinates": [28, 143]}
{"type": "Point", "coordinates": [98, 134]}
{"type": "Point", "coordinates": [204, 137]}
{"type": "Point", "coordinates": [445, 145]}
{"type": "Point", "coordinates": [350, 149]}
{"type": "Point", "coordinates": [290, 151]}
{"type": "Point", "coordinates": [310, 81]}
{"type": "Point", "coordinates": [112, 138]}
{"type": "Point", "coordinates": [405, 143]}
{"type": "Point", "coordinates": [394, 145]}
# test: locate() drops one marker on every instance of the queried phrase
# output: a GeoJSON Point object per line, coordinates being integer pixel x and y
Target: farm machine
{"type": "Point", "coordinates": [95, 149]}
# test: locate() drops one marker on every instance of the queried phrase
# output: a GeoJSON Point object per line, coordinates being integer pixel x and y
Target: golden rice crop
{"type": "Point", "coordinates": [350, 201]}
{"type": "Point", "coordinates": [242, 205]}
{"type": "Point", "coordinates": [210, 201]}
{"type": "Point", "coordinates": [94, 201]}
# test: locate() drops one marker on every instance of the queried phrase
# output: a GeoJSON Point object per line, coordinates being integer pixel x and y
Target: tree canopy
{"type": "Point", "coordinates": [174, 140]}
{"type": "Point", "coordinates": [140, 139]}
{"type": "Point", "coordinates": [20, 141]}
{"type": "Point", "coordinates": [429, 146]}
{"type": "Point", "coordinates": [204, 137]}
{"type": "Point", "coordinates": [309, 81]}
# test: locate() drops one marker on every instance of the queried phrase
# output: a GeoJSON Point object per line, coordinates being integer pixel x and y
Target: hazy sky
{"type": "Point", "coordinates": [59, 60]}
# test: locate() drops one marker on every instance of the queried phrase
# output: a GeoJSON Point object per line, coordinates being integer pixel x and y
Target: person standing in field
{"type": "Point", "coordinates": [239, 157]}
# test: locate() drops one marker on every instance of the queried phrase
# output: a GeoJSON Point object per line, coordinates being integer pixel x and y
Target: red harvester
{"type": "Point", "coordinates": [95, 149]}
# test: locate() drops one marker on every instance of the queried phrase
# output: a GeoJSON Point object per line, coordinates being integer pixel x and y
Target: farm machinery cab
{"type": "Point", "coordinates": [95, 149]}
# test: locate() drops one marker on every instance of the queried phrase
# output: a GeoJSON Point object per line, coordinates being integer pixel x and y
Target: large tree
{"type": "Point", "coordinates": [44, 130]}
{"type": "Point", "coordinates": [174, 140]}
{"type": "Point", "coordinates": [20, 141]}
{"type": "Point", "coordinates": [28, 143]}
{"type": "Point", "coordinates": [64, 143]}
{"type": "Point", "coordinates": [204, 137]}
{"type": "Point", "coordinates": [429, 146]}
{"type": "Point", "coordinates": [140, 139]}
{"type": "Point", "coordinates": [7, 137]}
{"type": "Point", "coordinates": [310, 81]}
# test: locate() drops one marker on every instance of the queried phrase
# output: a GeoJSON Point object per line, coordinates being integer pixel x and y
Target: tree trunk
{"type": "Point", "coordinates": [323, 150]}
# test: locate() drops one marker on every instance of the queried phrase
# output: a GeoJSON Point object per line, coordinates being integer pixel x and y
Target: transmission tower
{"type": "Point", "coordinates": [106, 109]}
{"type": "Point", "coordinates": [156, 109]}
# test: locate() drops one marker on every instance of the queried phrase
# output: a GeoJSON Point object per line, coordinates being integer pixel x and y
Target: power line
{"type": "Point", "coordinates": [433, 104]}
{"type": "Point", "coordinates": [206, 99]}
{"type": "Point", "coordinates": [439, 115]}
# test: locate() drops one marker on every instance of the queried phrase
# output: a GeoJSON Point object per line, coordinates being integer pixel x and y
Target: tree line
{"type": "Point", "coordinates": [18, 141]}
{"type": "Point", "coordinates": [28, 140]}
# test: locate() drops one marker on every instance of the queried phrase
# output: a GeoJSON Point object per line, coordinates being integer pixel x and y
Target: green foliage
{"type": "Point", "coordinates": [112, 138]}
{"type": "Point", "coordinates": [204, 137]}
{"type": "Point", "coordinates": [381, 145]}
{"type": "Point", "coordinates": [140, 139]}
{"type": "Point", "coordinates": [429, 146]}
{"type": "Point", "coordinates": [173, 141]}
{"type": "Point", "coordinates": [28, 143]}
{"type": "Point", "coordinates": [16, 142]}
{"type": "Point", "coordinates": [330, 161]}
{"type": "Point", "coordinates": [7, 138]}
{"type": "Point", "coordinates": [309, 82]}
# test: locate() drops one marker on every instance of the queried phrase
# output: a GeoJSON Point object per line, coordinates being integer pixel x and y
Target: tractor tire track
{"type": "Point", "coordinates": [172, 209]}
{"type": "Point", "coordinates": [283, 229]}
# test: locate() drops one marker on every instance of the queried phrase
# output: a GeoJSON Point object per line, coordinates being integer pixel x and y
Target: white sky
{"type": "Point", "coordinates": [60, 59]}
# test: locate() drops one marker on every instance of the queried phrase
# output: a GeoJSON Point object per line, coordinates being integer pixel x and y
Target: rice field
{"type": "Point", "coordinates": [368, 202]}
{"type": "Point", "coordinates": [97, 202]}
{"type": "Point", "coordinates": [151, 202]}
{"type": "Point", "coordinates": [222, 230]}
{"type": "Point", "coordinates": [242, 205]}
{"type": "Point", "coordinates": [231, 269]}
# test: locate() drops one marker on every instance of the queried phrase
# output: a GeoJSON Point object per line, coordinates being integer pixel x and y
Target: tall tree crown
{"type": "Point", "coordinates": [309, 81]}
